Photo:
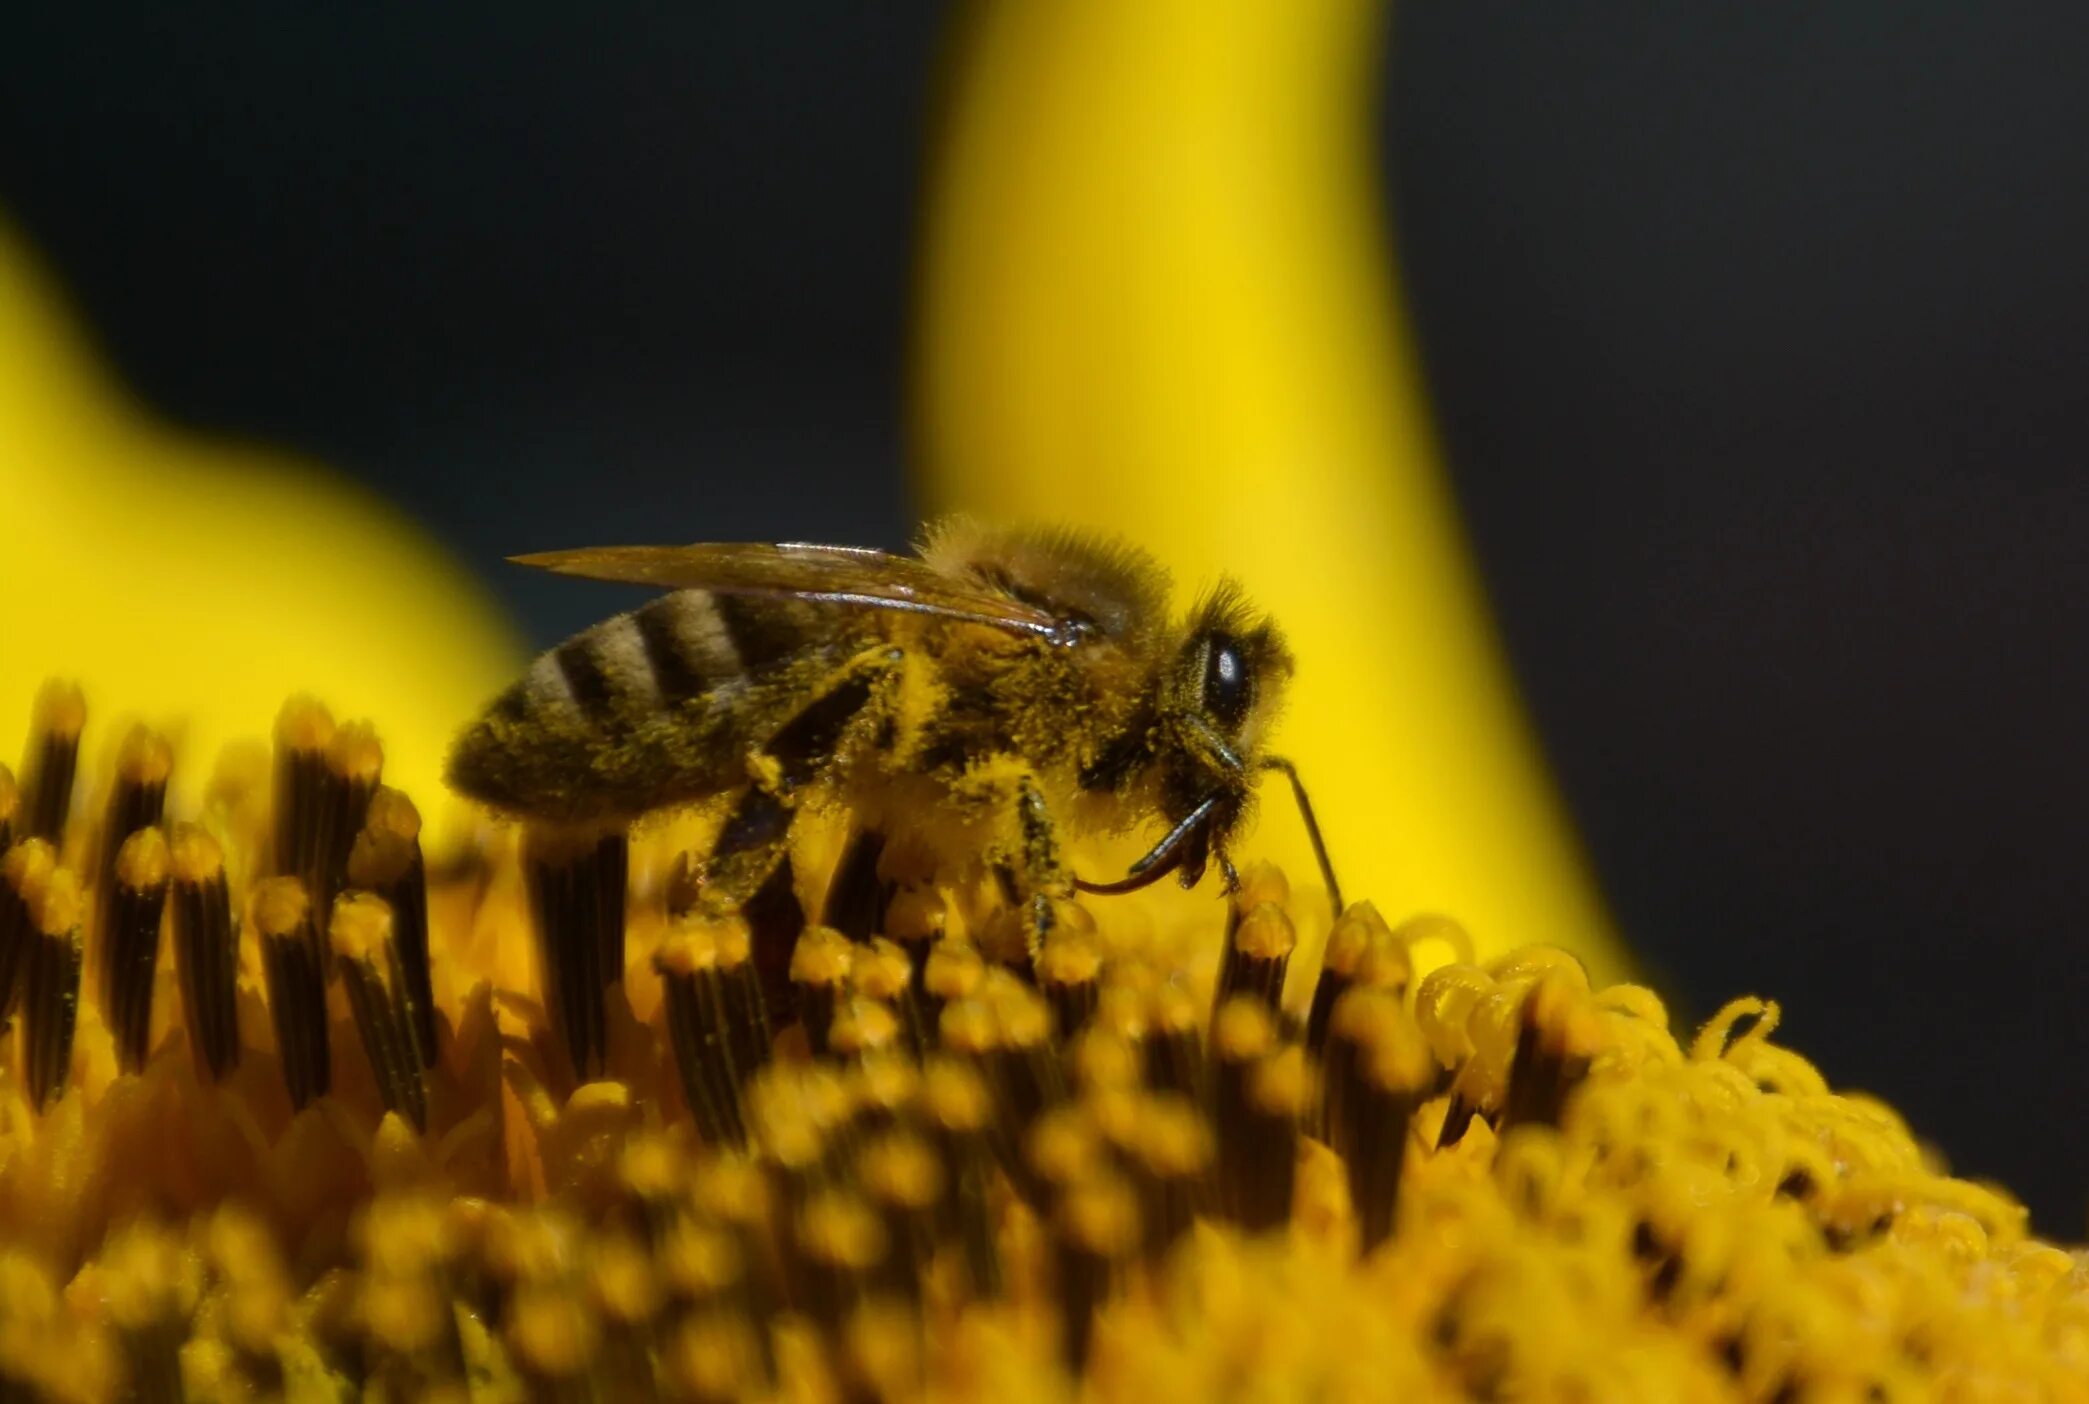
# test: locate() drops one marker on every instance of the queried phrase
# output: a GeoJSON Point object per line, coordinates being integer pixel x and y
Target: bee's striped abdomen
{"type": "Point", "coordinates": [620, 691]}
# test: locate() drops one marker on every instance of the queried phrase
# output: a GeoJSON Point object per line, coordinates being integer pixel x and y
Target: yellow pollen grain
{"type": "Point", "coordinates": [735, 941]}
{"type": "Point", "coordinates": [551, 1332]}
{"type": "Point", "coordinates": [1281, 1085]}
{"type": "Point", "coordinates": [1266, 933]}
{"type": "Point", "coordinates": [733, 1189]}
{"type": "Point", "coordinates": [862, 1026]}
{"type": "Point", "coordinates": [1243, 1030]}
{"type": "Point", "coordinates": [916, 914]}
{"type": "Point", "coordinates": [954, 971]}
{"type": "Point", "coordinates": [689, 949]}
{"type": "Point", "coordinates": [955, 1095]}
{"type": "Point", "coordinates": [60, 711]}
{"type": "Point", "coordinates": [361, 927]}
{"type": "Point", "coordinates": [355, 753]}
{"type": "Point", "coordinates": [1063, 1145]}
{"type": "Point", "coordinates": [700, 1260]}
{"type": "Point", "coordinates": [1024, 1016]}
{"type": "Point", "coordinates": [900, 1168]}
{"type": "Point", "coordinates": [28, 867]}
{"type": "Point", "coordinates": [391, 812]}
{"type": "Point", "coordinates": [304, 724]}
{"type": "Point", "coordinates": [280, 905]}
{"type": "Point", "coordinates": [1261, 881]}
{"type": "Point", "coordinates": [60, 906]}
{"type": "Point", "coordinates": [886, 1082]}
{"type": "Point", "coordinates": [1104, 1059]}
{"type": "Point", "coordinates": [194, 855]}
{"type": "Point", "coordinates": [146, 757]}
{"type": "Point", "coordinates": [838, 1228]}
{"type": "Point", "coordinates": [1069, 959]}
{"type": "Point", "coordinates": [968, 1026]}
{"type": "Point", "coordinates": [650, 1166]}
{"type": "Point", "coordinates": [822, 957]}
{"type": "Point", "coordinates": [402, 1313]}
{"type": "Point", "coordinates": [1174, 1140]}
{"type": "Point", "coordinates": [621, 1280]}
{"type": "Point", "coordinates": [1101, 1215]}
{"type": "Point", "coordinates": [1174, 1009]}
{"type": "Point", "coordinates": [881, 971]}
{"type": "Point", "coordinates": [141, 864]}
{"type": "Point", "coordinates": [379, 858]}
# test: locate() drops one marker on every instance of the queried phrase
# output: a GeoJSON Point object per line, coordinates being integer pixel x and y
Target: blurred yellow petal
{"type": "Point", "coordinates": [1156, 300]}
{"type": "Point", "coordinates": [199, 581]}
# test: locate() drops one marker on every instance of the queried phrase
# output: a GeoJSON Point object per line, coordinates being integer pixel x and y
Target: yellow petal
{"type": "Point", "coordinates": [1156, 300]}
{"type": "Point", "coordinates": [198, 580]}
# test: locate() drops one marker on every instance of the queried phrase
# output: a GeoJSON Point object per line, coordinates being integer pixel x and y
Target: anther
{"type": "Point", "coordinates": [130, 950]}
{"type": "Point", "coordinates": [386, 859]}
{"type": "Point", "coordinates": [24, 871]}
{"type": "Point", "coordinates": [576, 884]}
{"type": "Point", "coordinates": [51, 988]}
{"type": "Point", "coordinates": [206, 951]}
{"type": "Point", "coordinates": [59, 717]}
{"type": "Point", "coordinates": [694, 992]}
{"type": "Point", "coordinates": [366, 949]}
{"type": "Point", "coordinates": [290, 961]}
{"type": "Point", "coordinates": [819, 976]}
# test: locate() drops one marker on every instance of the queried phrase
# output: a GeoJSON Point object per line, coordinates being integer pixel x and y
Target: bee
{"type": "Point", "coordinates": [979, 697]}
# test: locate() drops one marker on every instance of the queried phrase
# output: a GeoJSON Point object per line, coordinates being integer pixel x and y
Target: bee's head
{"type": "Point", "coordinates": [1218, 699]}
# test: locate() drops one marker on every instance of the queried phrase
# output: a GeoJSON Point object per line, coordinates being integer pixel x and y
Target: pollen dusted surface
{"type": "Point", "coordinates": [1182, 1149]}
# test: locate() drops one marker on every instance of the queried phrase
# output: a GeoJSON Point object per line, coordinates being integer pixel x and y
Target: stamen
{"type": "Point", "coordinates": [1556, 1039]}
{"type": "Point", "coordinates": [697, 1030]}
{"type": "Point", "coordinates": [959, 1110]}
{"type": "Point", "coordinates": [717, 1357]}
{"type": "Point", "coordinates": [1361, 951]}
{"type": "Point", "coordinates": [1174, 1042]}
{"type": "Point", "coordinates": [386, 860]}
{"type": "Point", "coordinates": [863, 1029]}
{"type": "Point", "coordinates": [819, 975]}
{"type": "Point", "coordinates": [60, 715]}
{"type": "Point", "coordinates": [954, 971]}
{"type": "Point", "coordinates": [137, 800]}
{"type": "Point", "coordinates": [900, 1172]}
{"type": "Point", "coordinates": [775, 920]}
{"type": "Point", "coordinates": [304, 730]}
{"type": "Point", "coordinates": [365, 947]}
{"type": "Point", "coordinates": [554, 1337]}
{"type": "Point", "coordinates": [1380, 1069]}
{"type": "Point", "coordinates": [290, 962]}
{"type": "Point", "coordinates": [51, 988]}
{"type": "Point", "coordinates": [24, 871]}
{"type": "Point", "coordinates": [1172, 1153]}
{"type": "Point", "coordinates": [206, 950]}
{"type": "Point", "coordinates": [746, 1015]}
{"type": "Point", "coordinates": [130, 951]}
{"type": "Point", "coordinates": [841, 1244]}
{"type": "Point", "coordinates": [1258, 952]}
{"type": "Point", "coordinates": [577, 884]}
{"type": "Point", "coordinates": [1243, 1035]}
{"type": "Point", "coordinates": [354, 766]}
{"type": "Point", "coordinates": [1068, 969]}
{"type": "Point", "coordinates": [1096, 1233]}
{"type": "Point", "coordinates": [883, 971]}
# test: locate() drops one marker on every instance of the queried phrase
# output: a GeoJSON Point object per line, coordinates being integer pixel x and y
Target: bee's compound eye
{"type": "Point", "coordinates": [1227, 687]}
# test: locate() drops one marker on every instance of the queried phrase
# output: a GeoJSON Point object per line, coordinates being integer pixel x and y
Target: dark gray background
{"type": "Point", "coordinates": [1757, 335]}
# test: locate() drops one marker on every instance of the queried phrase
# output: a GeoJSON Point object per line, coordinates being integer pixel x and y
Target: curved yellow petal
{"type": "Point", "coordinates": [1156, 300]}
{"type": "Point", "coordinates": [198, 581]}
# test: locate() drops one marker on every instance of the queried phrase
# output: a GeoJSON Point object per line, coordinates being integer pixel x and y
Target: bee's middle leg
{"type": "Point", "coordinates": [755, 838]}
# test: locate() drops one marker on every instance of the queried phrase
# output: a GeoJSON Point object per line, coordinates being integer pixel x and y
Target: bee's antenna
{"type": "Point", "coordinates": [1305, 812]}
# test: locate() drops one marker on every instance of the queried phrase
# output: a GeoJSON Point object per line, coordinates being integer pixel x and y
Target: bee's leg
{"type": "Point", "coordinates": [756, 835]}
{"type": "Point", "coordinates": [1030, 867]}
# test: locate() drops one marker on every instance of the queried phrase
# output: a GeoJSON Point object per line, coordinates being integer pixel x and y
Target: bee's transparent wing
{"type": "Point", "coordinates": [842, 575]}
